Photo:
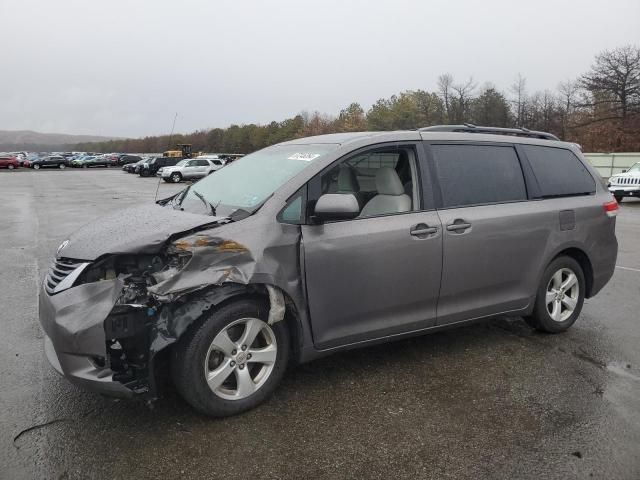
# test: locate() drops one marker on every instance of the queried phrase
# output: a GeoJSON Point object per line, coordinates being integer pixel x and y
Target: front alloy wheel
{"type": "Point", "coordinates": [176, 177]}
{"type": "Point", "coordinates": [230, 360]}
{"type": "Point", "coordinates": [240, 358]}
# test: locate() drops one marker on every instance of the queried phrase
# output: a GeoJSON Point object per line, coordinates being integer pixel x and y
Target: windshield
{"type": "Point", "coordinates": [635, 168]}
{"type": "Point", "coordinates": [246, 183]}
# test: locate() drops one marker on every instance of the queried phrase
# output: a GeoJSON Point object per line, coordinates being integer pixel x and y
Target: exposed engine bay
{"type": "Point", "coordinates": [128, 326]}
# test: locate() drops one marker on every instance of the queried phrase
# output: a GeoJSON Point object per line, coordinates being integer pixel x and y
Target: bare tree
{"type": "Point", "coordinates": [463, 94]}
{"type": "Point", "coordinates": [614, 79]}
{"type": "Point", "coordinates": [567, 99]}
{"type": "Point", "coordinates": [519, 89]}
{"type": "Point", "coordinates": [445, 83]}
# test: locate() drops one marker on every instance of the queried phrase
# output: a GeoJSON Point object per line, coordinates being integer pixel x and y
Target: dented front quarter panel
{"type": "Point", "coordinates": [257, 251]}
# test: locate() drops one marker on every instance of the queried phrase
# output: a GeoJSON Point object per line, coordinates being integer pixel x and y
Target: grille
{"type": "Point", "coordinates": [627, 181]}
{"type": "Point", "coordinates": [59, 270]}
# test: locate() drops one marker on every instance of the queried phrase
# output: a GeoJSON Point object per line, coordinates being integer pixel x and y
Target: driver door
{"type": "Point", "coordinates": [375, 276]}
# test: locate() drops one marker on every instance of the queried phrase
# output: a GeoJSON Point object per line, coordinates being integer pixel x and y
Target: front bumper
{"type": "Point", "coordinates": [81, 371]}
{"type": "Point", "coordinates": [625, 191]}
{"type": "Point", "coordinates": [75, 342]}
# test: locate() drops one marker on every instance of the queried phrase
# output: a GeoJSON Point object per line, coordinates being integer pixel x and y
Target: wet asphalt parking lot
{"type": "Point", "coordinates": [494, 400]}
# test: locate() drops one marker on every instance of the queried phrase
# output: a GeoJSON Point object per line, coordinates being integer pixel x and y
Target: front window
{"type": "Point", "coordinates": [181, 163]}
{"type": "Point", "coordinates": [246, 183]}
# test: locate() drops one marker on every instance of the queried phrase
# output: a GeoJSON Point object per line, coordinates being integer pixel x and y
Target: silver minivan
{"type": "Point", "coordinates": [322, 244]}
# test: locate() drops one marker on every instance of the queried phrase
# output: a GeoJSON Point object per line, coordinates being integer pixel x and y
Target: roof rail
{"type": "Point", "coordinates": [471, 128]}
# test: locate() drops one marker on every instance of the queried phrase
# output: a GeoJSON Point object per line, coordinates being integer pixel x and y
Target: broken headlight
{"type": "Point", "coordinates": [139, 271]}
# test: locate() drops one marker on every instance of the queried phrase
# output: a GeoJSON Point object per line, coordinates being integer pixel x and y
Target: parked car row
{"type": "Point", "coordinates": [170, 168]}
{"type": "Point", "coordinates": [176, 169]}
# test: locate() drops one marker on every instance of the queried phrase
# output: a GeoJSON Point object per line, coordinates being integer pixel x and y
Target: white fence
{"type": "Point", "coordinates": [611, 163]}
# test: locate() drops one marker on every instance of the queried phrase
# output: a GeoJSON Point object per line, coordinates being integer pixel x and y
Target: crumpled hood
{"type": "Point", "coordinates": [133, 230]}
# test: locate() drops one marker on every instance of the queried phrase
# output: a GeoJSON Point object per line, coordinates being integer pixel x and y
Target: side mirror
{"type": "Point", "coordinates": [624, 171]}
{"type": "Point", "coordinates": [337, 206]}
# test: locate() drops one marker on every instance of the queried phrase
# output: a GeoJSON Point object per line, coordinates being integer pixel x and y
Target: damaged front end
{"type": "Point", "coordinates": [106, 327]}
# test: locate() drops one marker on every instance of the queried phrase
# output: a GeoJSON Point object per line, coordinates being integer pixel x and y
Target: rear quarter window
{"type": "Point", "coordinates": [558, 171]}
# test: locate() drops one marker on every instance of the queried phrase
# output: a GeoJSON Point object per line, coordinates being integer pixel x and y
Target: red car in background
{"type": "Point", "coordinates": [9, 162]}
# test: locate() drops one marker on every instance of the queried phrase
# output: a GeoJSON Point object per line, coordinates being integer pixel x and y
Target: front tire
{"type": "Point", "coordinates": [560, 296]}
{"type": "Point", "coordinates": [231, 360]}
{"type": "Point", "coordinates": [175, 177]}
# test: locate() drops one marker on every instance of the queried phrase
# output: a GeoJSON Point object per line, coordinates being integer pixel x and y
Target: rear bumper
{"type": "Point", "coordinates": [604, 265]}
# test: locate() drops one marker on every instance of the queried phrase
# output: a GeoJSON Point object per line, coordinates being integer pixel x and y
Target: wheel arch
{"type": "Point", "coordinates": [186, 311]}
{"type": "Point", "coordinates": [580, 256]}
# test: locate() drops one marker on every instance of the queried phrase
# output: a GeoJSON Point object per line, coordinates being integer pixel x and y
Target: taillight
{"type": "Point", "coordinates": [611, 208]}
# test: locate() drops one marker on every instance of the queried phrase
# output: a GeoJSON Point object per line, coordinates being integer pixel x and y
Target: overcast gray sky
{"type": "Point", "coordinates": [124, 67]}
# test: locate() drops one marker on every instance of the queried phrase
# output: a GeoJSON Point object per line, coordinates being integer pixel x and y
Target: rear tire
{"type": "Point", "coordinates": [618, 198]}
{"type": "Point", "coordinates": [560, 296]}
{"type": "Point", "coordinates": [211, 353]}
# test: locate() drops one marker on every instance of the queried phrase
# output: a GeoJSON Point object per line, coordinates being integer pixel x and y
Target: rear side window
{"type": "Point", "coordinates": [478, 174]}
{"type": "Point", "coordinates": [559, 172]}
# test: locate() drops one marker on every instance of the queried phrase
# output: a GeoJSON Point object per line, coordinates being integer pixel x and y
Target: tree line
{"type": "Point", "coordinates": [599, 110]}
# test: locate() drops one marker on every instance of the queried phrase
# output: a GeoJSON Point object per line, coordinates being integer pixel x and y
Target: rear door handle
{"type": "Point", "coordinates": [422, 229]}
{"type": "Point", "coordinates": [457, 227]}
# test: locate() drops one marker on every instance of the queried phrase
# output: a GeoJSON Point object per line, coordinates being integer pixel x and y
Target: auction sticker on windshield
{"type": "Point", "coordinates": [307, 157]}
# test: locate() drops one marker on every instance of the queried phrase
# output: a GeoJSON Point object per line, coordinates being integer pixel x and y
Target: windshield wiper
{"type": "Point", "coordinates": [206, 202]}
{"type": "Point", "coordinates": [241, 213]}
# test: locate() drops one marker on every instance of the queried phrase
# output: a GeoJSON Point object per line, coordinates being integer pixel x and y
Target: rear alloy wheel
{"type": "Point", "coordinates": [560, 296]}
{"type": "Point", "coordinates": [61, 166]}
{"type": "Point", "coordinates": [175, 177]}
{"type": "Point", "coordinates": [11, 167]}
{"type": "Point", "coordinates": [232, 360]}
